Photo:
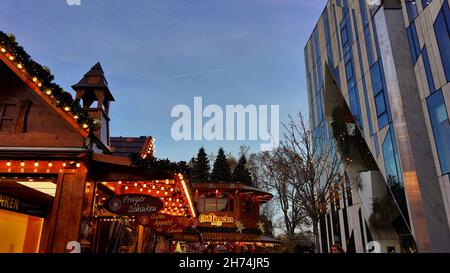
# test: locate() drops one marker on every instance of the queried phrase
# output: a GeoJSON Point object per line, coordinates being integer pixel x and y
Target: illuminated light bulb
{"type": "Point", "coordinates": [170, 198]}
{"type": "Point", "coordinates": [165, 193]}
{"type": "Point", "coordinates": [78, 164]}
{"type": "Point", "coordinates": [153, 187]}
{"type": "Point", "coordinates": [22, 163]}
{"type": "Point", "coordinates": [135, 184]}
{"type": "Point", "coordinates": [180, 205]}
{"type": "Point", "coordinates": [173, 204]}
{"type": "Point", "coordinates": [171, 189]}
{"type": "Point", "coordinates": [3, 49]}
{"type": "Point", "coordinates": [167, 181]}
{"type": "Point", "coordinates": [64, 164]}
{"type": "Point", "coordinates": [126, 187]}
{"type": "Point", "coordinates": [141, 189]}
{"type": "Point", "coordinates": [76, 117]}
{"type": "Point", "coordinates": [149, 190]}
{"type": "Point", "coordinates": [162, 188]}
{"type": "Point", "coordinates": [39, 84]}
{"type": "Point", "coordinates": [20, 66]}
{"type": "Point", "coordinates": [157, 192]}
{"type": "Point", "coordinates": [50, 164]}
{"type": "Point", "coordinates": [36, 164]}
{"type": "Point", "coordinates": [8, 163]}
{"type": "Point", "coordinates": [166, 203]}
{"type": "Point", "coordinates": [35, 79]}
{"type": "Point", "coordinates": [145, 186]}
{"type": "Point", "coordinates": [11, 58]}
{"type": "Point", "coordinates": [48, 92]}
{"type": "Point", "coordinates": [67, 108]}
{"type": "Point", "coordinates": [85, 126]}
{"type": "Point", "coordinates": [178, 200]}
{"type": "Point", "coordinates": [120, 182]}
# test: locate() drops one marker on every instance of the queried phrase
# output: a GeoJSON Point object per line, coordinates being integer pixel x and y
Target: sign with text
{"type": "Point", "coordinates": [12, 203]}
{"type": "Point", "coordinates": [164, 223]}
{"type": "Point", "coordinates": [215, 220]}
{"type": "Point", "coordinates": [133, 204]}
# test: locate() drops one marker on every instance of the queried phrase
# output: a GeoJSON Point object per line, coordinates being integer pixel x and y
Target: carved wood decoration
{"type": "Point", "coordinates": [24, 108]}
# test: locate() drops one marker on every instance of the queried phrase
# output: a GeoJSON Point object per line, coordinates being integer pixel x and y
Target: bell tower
{"type": "Point", "coordinates": [93, 94]}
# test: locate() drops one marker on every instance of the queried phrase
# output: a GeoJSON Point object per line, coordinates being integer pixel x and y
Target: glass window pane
{"type": "Point", "coordinates": [426, 64]}
{"type": "Point", "coordinates": [349, 70]}
{"type": "Point", "coordinates": [210, 204]}
{"type": "Point", "coordinates": [380, 104]}
{"type": "Point", "coordinates": [383, 120]}
{"type": "Point", "coordinates": [411, 9]}
{"type": "Point", "coordinates": [413, 41]}
{"type": "Point", "coordinates": [441, 28]}
{"type": "Point", "coordinates": [377, 84]}
{"type": "Point", "coordinates": [354, 105]}
{"type": "Point", "coordinates": [368, 40]}
{"type": "Point", "coordinates": [393, 172]}
{"type": "Point", "coordinates": [441, 129]}
{"type": "Point", "coordinates": [425, 3]}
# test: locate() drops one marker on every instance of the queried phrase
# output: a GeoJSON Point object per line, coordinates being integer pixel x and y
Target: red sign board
{"type": "Point", "coordinates": [134, 204]}
{"type": "Point", "coordinates": [164, 223]}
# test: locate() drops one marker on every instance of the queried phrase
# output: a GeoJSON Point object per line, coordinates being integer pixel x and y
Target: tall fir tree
{"type": "Point", "coordinates": [241, 173]}
{"type": "Point", "coordinates": [221, 169]}
{"type": "Point", "coordinates": [200, 170]}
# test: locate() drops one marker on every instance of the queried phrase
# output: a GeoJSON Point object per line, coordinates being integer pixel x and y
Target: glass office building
{"type": "Point", "coordinates": [383, 67]}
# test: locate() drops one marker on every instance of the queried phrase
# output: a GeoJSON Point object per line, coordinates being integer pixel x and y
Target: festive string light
{"type": "Point", "coordinates": [36, 163]}
{"type": "Point", "coordinates": [8, 163]}
{"type": "Point", "coordinates": [22, 163]}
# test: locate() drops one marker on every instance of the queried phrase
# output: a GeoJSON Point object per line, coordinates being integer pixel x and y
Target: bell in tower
{"type": "Point", "coordinates": [93, 94]}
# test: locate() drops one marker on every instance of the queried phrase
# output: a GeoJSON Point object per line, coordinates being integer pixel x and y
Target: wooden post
{"type": "Point", "coordinates": [63, 223]}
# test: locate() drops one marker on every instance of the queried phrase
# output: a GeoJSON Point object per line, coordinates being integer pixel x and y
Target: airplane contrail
{"type": "Point", "coordinates": [199, 73]}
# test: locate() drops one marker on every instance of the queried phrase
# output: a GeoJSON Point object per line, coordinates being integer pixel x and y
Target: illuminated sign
{"type": "Point", "coordinates": [134, 204]}
{"type": "Point", "coordinates": [216, 220]}
{"type": "Point", "coordinates": [164, 223]}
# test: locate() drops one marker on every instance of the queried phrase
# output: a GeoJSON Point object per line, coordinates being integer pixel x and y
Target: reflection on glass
{"type": "Point", "coordinates": [393, 173]}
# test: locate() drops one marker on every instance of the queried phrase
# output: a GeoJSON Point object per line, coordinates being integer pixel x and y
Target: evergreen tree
{"type": "Point", "coordinates": [200, 170]}
{"type": "Point", "coordinates": [221, 169]}
{"type": "Point", "coordinates": [241, 173]}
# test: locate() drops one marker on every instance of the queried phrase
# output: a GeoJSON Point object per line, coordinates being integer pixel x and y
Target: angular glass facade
{"type": "Point", "coordinates": [353, 55]}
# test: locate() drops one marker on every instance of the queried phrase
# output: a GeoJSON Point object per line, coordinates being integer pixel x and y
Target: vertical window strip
{"type": "Point", "coordinates": [440, 125]}
{"type": "Point", "coordinates": [426, 64]}
{"type": "Point", "coordinates": [442, 31]}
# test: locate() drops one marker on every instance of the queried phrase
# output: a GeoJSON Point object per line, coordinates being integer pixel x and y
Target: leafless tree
{"type": "Point", "coordinates": [303, 173]}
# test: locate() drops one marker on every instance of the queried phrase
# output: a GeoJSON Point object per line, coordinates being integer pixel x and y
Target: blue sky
{"type": "Point", "coordinates": [160, 53]}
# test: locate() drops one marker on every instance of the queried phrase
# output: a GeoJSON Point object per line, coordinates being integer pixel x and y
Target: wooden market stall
{"type": "Point", "coordinates": [59, 167]}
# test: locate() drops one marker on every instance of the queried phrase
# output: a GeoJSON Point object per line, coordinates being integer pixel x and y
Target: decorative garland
{"type": "Point", "coordinates": [159, 164]}
{"type": "Point", "coordinates": [42, 77]}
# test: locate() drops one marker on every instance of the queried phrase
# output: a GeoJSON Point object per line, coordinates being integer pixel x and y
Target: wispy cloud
{"type": "Point", "coordinates": [199, 73]}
